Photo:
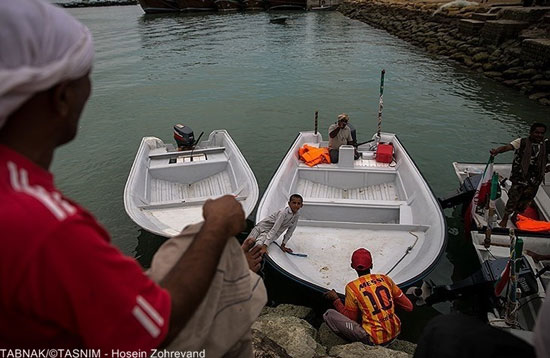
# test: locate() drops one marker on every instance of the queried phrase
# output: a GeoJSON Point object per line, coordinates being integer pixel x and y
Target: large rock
{"type": "Point", "coordinates": [356, 350]}
{"type": "Point", "coordinates": [290, 310]}
{"type": "Point", "coordinates": [295, 335]}
{"type": "Point", "coordinates": [265, 347]}
{"type": "Point", "coordinates": [328, 338]}
{"type": "Point", "coordinates": [403, 346]}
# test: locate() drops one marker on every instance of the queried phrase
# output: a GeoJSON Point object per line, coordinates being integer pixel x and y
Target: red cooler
{"type": "Point", "coordinates": [384, 153]}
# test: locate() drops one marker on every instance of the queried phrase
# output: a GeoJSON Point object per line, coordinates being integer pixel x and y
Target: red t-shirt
{"type": "Point", "coordinates": [62, 284]}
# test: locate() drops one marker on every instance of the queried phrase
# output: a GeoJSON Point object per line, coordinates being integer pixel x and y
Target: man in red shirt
{"type": "Point", "coordinates": [370, 301]}
{"type": "Point", "coordinates": [62, 284]}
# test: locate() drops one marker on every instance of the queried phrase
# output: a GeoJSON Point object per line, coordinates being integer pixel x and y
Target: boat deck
{"type": "Point", "coordinates": [313, 190]}
{"type": "Point", "coordinates": [329, 248]}
{"type": "Point", "coordinates": [215, 185]}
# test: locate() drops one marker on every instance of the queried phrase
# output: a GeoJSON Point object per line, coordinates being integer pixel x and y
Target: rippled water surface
{"type": "Point", "coordinates": [262, 82]}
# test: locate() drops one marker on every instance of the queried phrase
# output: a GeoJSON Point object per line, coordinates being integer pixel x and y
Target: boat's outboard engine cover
{"type": "Point", "coordinates": [353, 132]}
{"type": "Point", "coordinates": [184, 137]}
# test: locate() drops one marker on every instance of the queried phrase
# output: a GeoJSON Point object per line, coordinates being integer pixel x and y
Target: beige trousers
{"type": "Point", "coordinates": [221, 324]}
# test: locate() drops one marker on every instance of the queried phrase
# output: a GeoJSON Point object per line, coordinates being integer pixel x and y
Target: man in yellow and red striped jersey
{"type": "Point", "coordinates": [368, 315]}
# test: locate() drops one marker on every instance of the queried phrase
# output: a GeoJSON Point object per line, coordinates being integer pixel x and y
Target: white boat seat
{"type": "Point", "coordinates": [355, 202]}
{"type": "Point", "coordinates": [405, 215]}
{"type": "Point", "coordinates": [186, 152]}
{"type": "Point", "coordinates": [181, 203]}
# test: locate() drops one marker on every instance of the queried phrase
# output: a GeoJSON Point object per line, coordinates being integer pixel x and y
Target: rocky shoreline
{"type": "Point", "coordinates": [289, 331]}
{"type": "Point", "coordinates": [509, 44]}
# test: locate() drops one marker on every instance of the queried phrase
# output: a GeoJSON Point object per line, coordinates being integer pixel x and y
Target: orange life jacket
{"type": "Point", "coordinates": [313, 155]}
{"type": "Point", "coordinates": [524, 223]}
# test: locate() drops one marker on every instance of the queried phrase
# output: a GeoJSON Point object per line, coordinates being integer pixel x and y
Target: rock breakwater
{"type": "Point", "coordinates": [289, 331]}
{"type": "Point", "coordinates": [508, 44]}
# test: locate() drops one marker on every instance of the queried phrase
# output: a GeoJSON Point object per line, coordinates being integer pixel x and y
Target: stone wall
{"type": "Point", "coordinates": [509, 45]}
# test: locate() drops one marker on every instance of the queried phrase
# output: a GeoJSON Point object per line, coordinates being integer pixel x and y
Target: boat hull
{"type": "Point", "coordinates": [254, 5]}
{"type": "Point", "coordinates": [228, 5]}
{"type": "Point", "coordinates": [196, 5]}
{"type": "Point", "coordinates": [286, 5]}
{"type": "Point", "coordinates": [158, 6]}
{"type": "Point", "coordinates": [367, 204]}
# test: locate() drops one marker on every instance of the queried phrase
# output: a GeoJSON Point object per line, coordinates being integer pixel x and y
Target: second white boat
{"type": "Point", "coordinates": [387, 208]}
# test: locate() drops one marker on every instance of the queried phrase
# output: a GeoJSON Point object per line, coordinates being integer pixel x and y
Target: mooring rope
{"type": "Point", "coordinates": [406, 253]}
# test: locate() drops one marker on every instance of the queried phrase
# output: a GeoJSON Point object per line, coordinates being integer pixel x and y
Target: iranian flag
{"type": "Point", "coordinates": [482, 193]}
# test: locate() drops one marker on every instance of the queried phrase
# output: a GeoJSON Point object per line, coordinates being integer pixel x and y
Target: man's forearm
{"type": "Point", "coordinates": [334, 132]}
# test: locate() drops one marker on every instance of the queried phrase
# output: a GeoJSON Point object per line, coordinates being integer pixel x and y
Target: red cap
{"type": "Point", "coordinates": [361, 259]}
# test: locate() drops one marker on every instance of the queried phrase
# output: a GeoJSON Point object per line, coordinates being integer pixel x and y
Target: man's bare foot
{"type": "Point", "coordinates": [253, 254]}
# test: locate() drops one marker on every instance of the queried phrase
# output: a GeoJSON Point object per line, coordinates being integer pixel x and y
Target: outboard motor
{"type": "Point", "coordinates": [184, 136]}
{"type": "Point", "coordinates": [353, 132]}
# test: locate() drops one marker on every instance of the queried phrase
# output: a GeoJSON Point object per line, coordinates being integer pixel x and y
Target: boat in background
{"type": "Point", "coordinates": [254, 5]}
{"type": "Point", "coordinates": [511, 284]}
{"type": "Point", "coordinates": [159, 6]}
{"type": "Point", "coordinates": [387, 208]}
{"type": "Point", "coordinates": [513, 298]}
{"type": "Point", "coordinates": [473, 172]}
{"type": "Point", "coordinates": [286, 4]}
{"type": "Point", "coordinates": [324, 6]}
{"type": "Point", "coordinates": [228, 5]}
{"type": "Point", "coordinates": [196, 5]}
{"type": "Point", "coordinates": [167, 188]}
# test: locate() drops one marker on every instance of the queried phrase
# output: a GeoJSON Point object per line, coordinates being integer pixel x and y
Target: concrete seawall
{"type": "Point", "coordinates": [508, 44]}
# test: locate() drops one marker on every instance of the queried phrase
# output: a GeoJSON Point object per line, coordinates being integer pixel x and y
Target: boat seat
{"type": "Point", "coordinates": [186, 152]}
{"type": "Point", "coordinates": [405, 214]}
{"type": "Point", "coordinates": [355, 202]}
{"type": "Point", "coordinates": [181, 203]}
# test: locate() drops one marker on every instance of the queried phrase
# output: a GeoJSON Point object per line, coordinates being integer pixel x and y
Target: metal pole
{"type": "Point", "coordinates": [380, 105]}
{"type": "Point", "coordinates": [316, 116]}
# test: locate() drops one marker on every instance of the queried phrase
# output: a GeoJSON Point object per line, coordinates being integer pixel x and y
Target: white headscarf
{"type": "Point", "coordinates": [40, 45]}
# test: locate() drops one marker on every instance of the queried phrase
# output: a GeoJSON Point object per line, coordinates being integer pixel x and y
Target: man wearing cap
{"type": "Point", "coordinates": [370, 301]}
{"type": "Point", "coordinates": [62, 284]}
{"type": "Point", "coordinates": [339, 134]}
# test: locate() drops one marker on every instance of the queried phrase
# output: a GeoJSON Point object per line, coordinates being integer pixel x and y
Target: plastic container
{"type": "Point", "coordinates": [384, 153]}
{"type": "Point", "coordinates": [368, 155]}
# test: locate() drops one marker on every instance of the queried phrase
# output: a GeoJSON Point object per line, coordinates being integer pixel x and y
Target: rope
{"type": "Point", "coordinates": [406, 253]}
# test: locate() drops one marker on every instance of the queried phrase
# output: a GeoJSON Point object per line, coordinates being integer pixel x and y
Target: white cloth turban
{"type": "Point", "coordinates": [40, 46]}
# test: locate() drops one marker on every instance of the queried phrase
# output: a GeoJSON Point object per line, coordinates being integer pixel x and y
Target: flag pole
{"type": "Point", "coordinates": [316, 116]}
{"type": "Point", "coordinates": [380, 106]}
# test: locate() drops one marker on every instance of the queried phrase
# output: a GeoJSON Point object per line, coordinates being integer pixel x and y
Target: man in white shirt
{"type": "Point", "coordinates": [270, 228]}
{"type": "Point", "coordinates": [339, 134]}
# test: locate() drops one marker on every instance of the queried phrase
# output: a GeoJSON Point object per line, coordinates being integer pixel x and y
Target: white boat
{"type": "Point", "coordinates": [494, 250]}
{"type": "Point", "coordinates": [387, 208]}
{"type": "Point", "coordinates": [538, 242]}
{"type": "Point", "coordinates": [519, 318]}
{"type": "Point", "coordinates": [542, 199]}
{"type": "Point", "coordinates": [166, 188]}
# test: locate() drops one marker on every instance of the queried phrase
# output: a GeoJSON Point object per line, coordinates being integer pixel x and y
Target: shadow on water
{"type": "Point", "coordinates": [147, 246]}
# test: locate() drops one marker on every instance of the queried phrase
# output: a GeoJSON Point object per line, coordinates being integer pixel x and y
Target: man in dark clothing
{"type": "Point", "coordinates": [528, 169]}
